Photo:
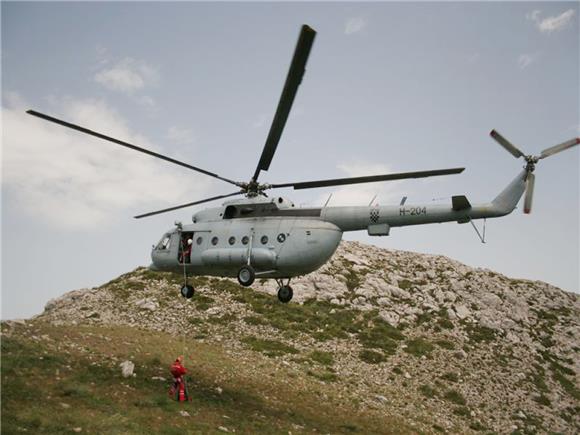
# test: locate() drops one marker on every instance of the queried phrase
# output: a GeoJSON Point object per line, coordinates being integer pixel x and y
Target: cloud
{"type": "Point", "coordinates": [354, 25]}
{"type": "Point", "coordinates": [525, 60]}
{"type": "Point", "coordinates": [127, 76]}
{"type": "Point", "coordinates": [261, 121]}
{"type": "Point", "coordinates": [180, 136]}
{"type": "Point", "coordinates": [74, 181]}
{"type": "Point", "coordinates": [473, 58]}
{"type": "Point", "coordinates": [147, 101]}
{"type": "Point", "coordinates": [361, 194]}
{"type": "Point", "coordinates": [551, 24]}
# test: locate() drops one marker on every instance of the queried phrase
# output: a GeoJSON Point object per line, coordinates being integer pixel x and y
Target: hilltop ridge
{"type": "Point", "coordinates": [422, 340]}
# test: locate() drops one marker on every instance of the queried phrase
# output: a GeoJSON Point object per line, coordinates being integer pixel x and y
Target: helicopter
{"type": "Point", "coordinates": [258, 236]}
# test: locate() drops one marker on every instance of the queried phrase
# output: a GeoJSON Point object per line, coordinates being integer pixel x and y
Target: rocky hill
{"type": "Point", "coordinates": [376, 341]}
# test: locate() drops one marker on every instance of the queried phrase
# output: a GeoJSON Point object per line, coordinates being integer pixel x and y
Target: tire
{"type": "Point", "coordinates": [187, 291]}
{"type": "Point", "coordinates": [285, 294]}
{"type": "Point", "coordinates": [246, 276]}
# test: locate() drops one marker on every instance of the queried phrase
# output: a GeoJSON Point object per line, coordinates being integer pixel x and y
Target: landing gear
{"type": "Point", "coordinates": [285, 292]}
{"type": "Point", "coordinates": [187, 291]}
{"type": "Point", "coordinates": [246, 276]}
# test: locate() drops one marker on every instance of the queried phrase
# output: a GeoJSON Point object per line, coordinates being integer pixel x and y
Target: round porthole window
{"type": "Point", "coordinates": [232, 240]}
{"type": "Point", "coordinates": [199, 240]}
{"type": "Point", "coordinates": [214, 241]}
{"type": "Point", "coordinates": [245, 240]}
{"type": "Point", "coordinates": [281, 237]}
{"type": "Point", "coordinates": [264, 240]}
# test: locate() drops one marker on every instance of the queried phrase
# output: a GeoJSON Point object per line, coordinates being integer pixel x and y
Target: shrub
{"type": "Point", "coordinates": [269, 347]}
{"type": "Point", "coordinates": [418, 347]}
{"type": "Point", "coordinates": [455, 397]}
{"type": "Point", "coordinates": [371, 356]}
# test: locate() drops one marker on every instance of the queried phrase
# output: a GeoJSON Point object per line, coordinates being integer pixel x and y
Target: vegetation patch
{"type": "Point", "coordinates": [380, 335]}
{"type": "Point", "coordinates": [542, 400]}
{"type": "Point", "coordinates": [445, 344]}
{"type": "Point", "coordinates": [479, 334]}
{"type": "Point", "coordinates": [428, 391]}
{"type": "Point", "coordinates": [324, 376]}
{"type": "Point", "coordinates": [451, 377]}
{"type": "Point", "coordinates": [371, 356]}
{"type": "Point", "coordinates": [203, 302]}
{"type": "Point", "coordinates": [269, 347]}
{"type": "Point", "coordinates": [462, 411]}
{"type": "Point", "coordinates": [321, 357]}
{"type": "Point", "coordinates": [404, 284]}
{"type": "Point", "coordinates": [419, 347]}
{"type": "Point", "coordinates": [455, 397]}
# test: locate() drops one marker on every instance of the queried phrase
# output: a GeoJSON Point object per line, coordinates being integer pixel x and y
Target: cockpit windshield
{"type": "Point", "coordinates": [164, 242]}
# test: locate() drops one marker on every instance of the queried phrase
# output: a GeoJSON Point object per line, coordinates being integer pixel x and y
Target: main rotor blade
{"type": "Point", "coordinates": [561, 147]}
{"type": "Point", "coordinates": [293, 80]}
{"type": "Point", "coordinates": [186, 205]}
{"type": "Point", "coordinates": [510, 147]}
{"type": "Point", "coordinates": [126, 144]}
{"type": "Point", "coordinates": [369, 179]}
{"type": "Point", "coordinates": [529, 193]}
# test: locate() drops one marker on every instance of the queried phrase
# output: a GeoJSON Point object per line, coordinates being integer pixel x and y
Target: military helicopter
{"type": "Point", "coordinates": [268, 237]}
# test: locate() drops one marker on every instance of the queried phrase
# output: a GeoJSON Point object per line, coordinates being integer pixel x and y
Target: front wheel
{"type": "Point", "coordinates": [187, 291]}
{"type": "Point", "coordinates": [285, 294]}
{"type": "Point", "coordinates": [246, 276]}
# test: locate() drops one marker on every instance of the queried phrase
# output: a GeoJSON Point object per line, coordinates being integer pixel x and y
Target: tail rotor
{"type": "Point", "coordinates": [531, 162]}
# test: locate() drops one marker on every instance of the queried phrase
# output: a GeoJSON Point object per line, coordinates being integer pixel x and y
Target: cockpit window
{"type": "Point", "coordinates": [164, 243]}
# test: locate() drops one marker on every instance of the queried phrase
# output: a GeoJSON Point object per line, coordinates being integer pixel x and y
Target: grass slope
{"type": "Point", "coordinates": [56, 379]}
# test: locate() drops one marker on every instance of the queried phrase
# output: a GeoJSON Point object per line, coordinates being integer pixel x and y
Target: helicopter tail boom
{"type": "Point", "coordinates": [378, 220]}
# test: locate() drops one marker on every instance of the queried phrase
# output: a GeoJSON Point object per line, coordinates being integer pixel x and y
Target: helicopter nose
{"type": "Point", "coordinates": [153, 267]}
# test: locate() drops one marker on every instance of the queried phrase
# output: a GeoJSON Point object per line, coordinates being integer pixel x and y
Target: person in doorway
{"type": "Point", "coordinates": [185, 252]}
{"type": "Point", "coordinates": [179, 389]}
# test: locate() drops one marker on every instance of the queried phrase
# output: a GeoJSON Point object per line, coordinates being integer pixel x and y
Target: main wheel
{"type": "Point", "coordinates": [285, 294]}
{"type": "Point", "coordinates": [246, 276]}
{"type": "Point", "coordinates": [187, 291]}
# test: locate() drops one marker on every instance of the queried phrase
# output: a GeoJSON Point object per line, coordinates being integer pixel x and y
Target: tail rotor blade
{"type": "Point", "coordinates": [560, 147]}
{"type": "Point", "coordinates": [510, 147]}
{"type": "Point", "coordinates": [529, 193]}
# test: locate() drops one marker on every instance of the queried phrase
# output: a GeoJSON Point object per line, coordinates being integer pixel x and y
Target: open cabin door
{"type": "Point", "coordinates": [191, 245]}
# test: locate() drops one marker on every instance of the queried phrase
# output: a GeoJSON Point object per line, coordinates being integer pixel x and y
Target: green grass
{"type": "Point", "coordinates": [542, 400]}
{"type": "Point", "coordinates": [445, 344]}
{"type": "Point", "coordinates": [480, 334]}
{"type": "Point", "coordinates": [324, 358]}
{"type": "Point", "coordinates": [455, 397]}
{"type": "Point", "coordinates": [87, 377]}
{"type": "Point", "coordinates": [462, 411]}
{"type": "Point", "coordinates": [450, 376]}
{"type": "Point", "coordinates": [428, 391]}
{"type": "Point", "coordinates": [269, 347]}
{"type": "Point", "coordinates": [404, 284]}
{"type": "Point", "coordinates": [419, 347]}
{"type": "Point", "coordinates": [372, 356]}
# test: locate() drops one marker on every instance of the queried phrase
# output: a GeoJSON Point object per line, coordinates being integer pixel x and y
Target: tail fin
{"type": "Point", "coordinates": [508, 199]}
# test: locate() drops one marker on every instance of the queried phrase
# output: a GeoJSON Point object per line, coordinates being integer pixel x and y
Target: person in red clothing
{"type": "Point", "coordinates": [179, 389]}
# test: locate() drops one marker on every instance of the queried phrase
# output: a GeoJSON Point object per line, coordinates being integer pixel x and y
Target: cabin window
{"type": "Point", "coordinates": [281, 237]}
{"type": "Point", "coordinates": [232, 240]}
{"type": "Point", "coordinates": [164, 242]}
{"type": "Point", "coordinates": [264, 240]}
{"type": "Point", "coordinates": [214, 241]}
{"type": "Point", "coordinates": [199, 240]}
{"type": "Point", "coordinates": [245, 240]}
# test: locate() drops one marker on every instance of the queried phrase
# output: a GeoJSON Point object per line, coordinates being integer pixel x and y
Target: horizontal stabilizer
{"type": "Point", "coordinates": [460, 203]}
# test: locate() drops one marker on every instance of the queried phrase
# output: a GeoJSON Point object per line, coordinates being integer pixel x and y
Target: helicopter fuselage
{"type": "Point", "coordinates": [280, 240]}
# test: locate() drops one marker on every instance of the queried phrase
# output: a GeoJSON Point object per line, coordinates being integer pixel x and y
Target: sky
{"type": "Point", "coordinates": [389, 87]}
